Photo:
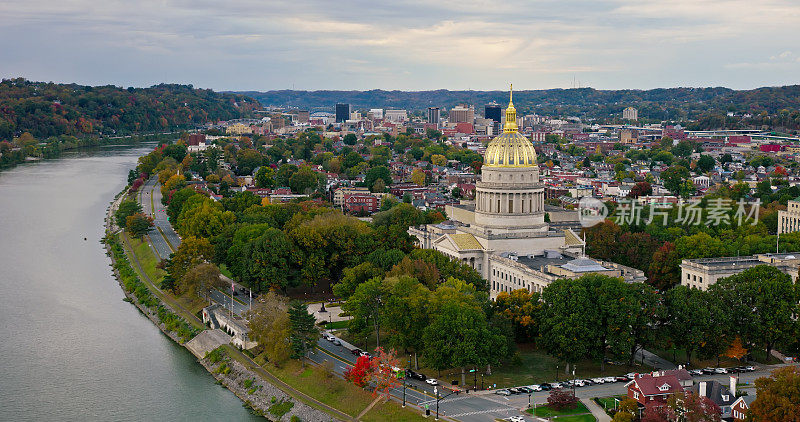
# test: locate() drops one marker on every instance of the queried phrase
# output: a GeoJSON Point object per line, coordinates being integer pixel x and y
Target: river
{"type": "Point", "coordinates": [70, 347]}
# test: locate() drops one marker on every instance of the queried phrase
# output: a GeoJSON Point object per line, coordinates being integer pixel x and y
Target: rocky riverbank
{"type": "Point", "coordinates": [263, 397]}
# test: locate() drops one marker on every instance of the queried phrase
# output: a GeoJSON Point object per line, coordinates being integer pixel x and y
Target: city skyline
{"type": "Point", "coordinates": [412, 45]}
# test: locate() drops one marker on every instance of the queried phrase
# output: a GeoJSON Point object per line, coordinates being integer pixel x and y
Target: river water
{"type": "Point", "coordinates": [70, 348]}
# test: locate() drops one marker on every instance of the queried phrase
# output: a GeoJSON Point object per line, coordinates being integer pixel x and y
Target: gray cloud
{"type": "Point", "coordinates": [407, 44]}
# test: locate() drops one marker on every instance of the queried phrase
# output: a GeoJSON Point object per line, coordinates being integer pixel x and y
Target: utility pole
{"type": "Point", "coordinates": [573, 379]}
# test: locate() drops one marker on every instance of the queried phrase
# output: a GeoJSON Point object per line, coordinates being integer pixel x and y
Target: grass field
{"type": "Point", "coordinates": [608, 402]}
{"type": "Point", "coordinates": [336, 325]}
{"type": "Point", "coordinates": [547, 412]}
{"type": "Point", "coordinates": [148, 259]}
{"type": "Point", "coordinates": [339, 393]}
{"type": "Point", "coordinates": [577, 418]}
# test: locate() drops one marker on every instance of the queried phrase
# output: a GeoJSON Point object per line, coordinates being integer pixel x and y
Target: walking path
{"type": "Point", "coordinates": [654, 360]}
{"type": "Point", "coordinates": [596, 410]}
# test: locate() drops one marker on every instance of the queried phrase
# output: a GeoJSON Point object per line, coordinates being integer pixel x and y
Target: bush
{"type": "Point", "coordinates": [295, 418]}
{"type": "Point", "coordinates": [281, 408]}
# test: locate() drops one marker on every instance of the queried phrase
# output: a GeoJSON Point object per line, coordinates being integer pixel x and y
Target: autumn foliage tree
{"type": "Point", "coordinates": [736, 350]}
{"type": "Point", "coordinates": [359, 374]}
{"type": "Point", "coordinates": [383, 372]}
{"type": "Point", "coordinates": [777, 396]}
{"type": "Point", "coordinates": [138, 224]}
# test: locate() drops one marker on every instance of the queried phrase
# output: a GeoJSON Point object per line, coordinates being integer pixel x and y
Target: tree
{"type": "Point", "coordinates": [383, 373]}
{"type": "Point", "coordinates": [777, 396]}
{"type": "Point", "coordinates": [674, 178]}
{"type": "Point", "coordinates": [265, 177]}
{"type": "Point", "coordinates": [270, 327]}
{"type": "Point", "coordinates": [561, 399]}
{"type": "Point", "coordinates": [305, 180]}
{"type": "Point", "coordinates": [359, 374]}
{"type": "Point", "coordinates": [438, 159]}
{"type": "Point", "coordinates": [262, 258]}
{"type": "Point", "coordinates": [736, 350]}
{"type": "Point", "coordinates": [126, 209]}
{"type": "Point", "coordinates": [191, 252]}
{"type": "Point", "coordinates": [522, 309]}
{"type": "Point", "coordinates": [378, 173]}
{"type": "Point", "coordinates": [138, 224]}
{"type": "Point", "coordinates": [418, 177]}
{"type": "Point", "coordinates": [641, 189]}
{"type": "Point", "coordinates": [693, 407]}
{"type": "Point", "coordinates": [198, 280]}
{"type": "Point", "coordinates": [705, 163]}
{"type": "Point", "coordinates": [352, 277]}
{"type": "Point", "coordinates": [364, 308]}
{"type": "Point", "coordinates": [304, 332]}
{"type": "Point", "coordinates": [201, 216]}
{"type": "Point", "coordinates": [350, 139]}
{"type": "Point", "coordinates": [763, 304]}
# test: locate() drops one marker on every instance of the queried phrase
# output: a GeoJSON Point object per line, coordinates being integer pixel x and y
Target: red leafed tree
{"type": "Point", "coordinates": [384, 374]}
{"type": "Point", "coordinates": [561, 399]}
{"type": "Point", "coordinates": [360, 373]}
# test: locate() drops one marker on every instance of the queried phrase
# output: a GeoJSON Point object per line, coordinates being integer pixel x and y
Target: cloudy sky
{"type": "Point", "coordinates": [405, 44]}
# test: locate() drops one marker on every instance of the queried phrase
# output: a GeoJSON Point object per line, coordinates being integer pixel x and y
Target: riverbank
{"type": "Point", "coordinates": [180, 325]}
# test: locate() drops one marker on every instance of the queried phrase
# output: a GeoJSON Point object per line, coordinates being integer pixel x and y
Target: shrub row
{"type": "Point", "coordinates": [132, 284]}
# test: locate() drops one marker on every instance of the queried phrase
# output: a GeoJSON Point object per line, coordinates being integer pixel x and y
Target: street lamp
{"type": "Point", "coordinates": [573, 379]}
{"type": "Point", "coordinates": [436, 391]}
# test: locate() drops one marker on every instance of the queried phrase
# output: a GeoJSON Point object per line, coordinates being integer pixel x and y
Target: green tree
{"type": "Point", "coordinates": [265, 177]}
{"type": "Point", "coordinates": [201, 216]}
{"type": "Point", "coordinates": [350, 139]}
{"type": "Point", "coordinates": [191, 252]}
{"type": "Point", "coordinates": [705, 163]}
{"type": "Point", "coordinates": [305, 180]}
{"type": "Point", "coordinates": [777, 396]}
{"type": "Point", "coordinates": [138, 224]}
{"type": "Point", "coordinates": [304, 332]}
{"type": "Point", "coordinates": [763, 303]}
{"type": "Point", "coordinates": [126, 209]}
{"type": "Point", "coordinates": [198, 280]}
{"type": "Point", "coordinates": [378, 173]}
{"type": "Point", "coordinates": [352, 277]}
{"type": "Point", "coordinates": [674, 178]}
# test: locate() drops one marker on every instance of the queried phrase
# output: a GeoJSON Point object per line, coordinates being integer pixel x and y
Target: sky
{"type": "Point", "coordinates": [403, 44]}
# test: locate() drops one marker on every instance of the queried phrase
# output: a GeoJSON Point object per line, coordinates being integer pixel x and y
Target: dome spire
{"type": "Point", "coordinates": [511, 113]}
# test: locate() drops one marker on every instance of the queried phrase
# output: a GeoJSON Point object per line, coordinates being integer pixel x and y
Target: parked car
{"type": "Point", "coordinates": [432, 381]}
{"type": "Point", "coordinates": [610, 379]}
{"type": "Point", "coordinates": [525, 390]}
{"type": "Point", "coordinates": [598, 380]}
{"type": "Point", "coordinates": [709, 371]}
{"type": "Point", "coordinates": [535, 387]}
{"type": "Point", "coordinates": [545, 386]}
{"type": "Point", "coordinates": [631, 375]}
{"type": "Point", "coordinates": [721, 370]}
{"type": "Point", "coordinates": [580, 383]}
{"type": "Point", "coordinates": [749, 368]}
{"type": "Point", "coordinates": [503, 392]}
{"type": "Point", "coordinates": [623, 378]}
{"type": "Point", "coordinates": [696, 372]}
{"type": "Point", "coordinates": [516, 419]}
{"type": "Point", "coordinates": [356, 351]}
{"type": "Point", "coordinates": [420, 376]}
{"type": "Point", "coordinates": [336, 342]}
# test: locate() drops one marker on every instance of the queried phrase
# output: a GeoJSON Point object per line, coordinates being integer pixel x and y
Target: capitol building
{"type": "Point", "coordinates": [503, 234]}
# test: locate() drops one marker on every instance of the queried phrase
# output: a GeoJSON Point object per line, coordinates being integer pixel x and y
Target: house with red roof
{"type": "Point", "coordinates": [650, 389]}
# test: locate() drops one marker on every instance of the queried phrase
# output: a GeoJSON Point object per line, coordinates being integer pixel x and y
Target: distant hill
{"type": "Point", "coordinates": [676, 104]}
{"type": "Point", "coordinates": [48, 109]}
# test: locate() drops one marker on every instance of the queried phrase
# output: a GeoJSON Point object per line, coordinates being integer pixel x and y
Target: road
{"type": "Point", "coordinates": [163, 238]}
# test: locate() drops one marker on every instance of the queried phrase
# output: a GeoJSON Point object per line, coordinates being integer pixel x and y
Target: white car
{"type": "Point", "coordinates": [516, 419]}
{"type": "Point", "coordinates": [503, 392]}
{"type": "Point", "coordinates": [598, 380]}
{"type": "Point", "coordinates": [610, 379]}
{"type": "Point", "coordinates": [557, 385]}
{"type": "Point", "coordinates": [535, 387]}
{"type": "Point", "coordinates": [432, 381]}
{"type": "Point", "coordinates": [580, 383]}
{"type": "Point", "coordinates": [721, 370]}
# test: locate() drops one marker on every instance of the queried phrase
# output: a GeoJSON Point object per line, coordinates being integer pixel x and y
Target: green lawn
{"type": "Point", "coordinates": [608, 402]}
{"type": "Point", "coordinates": [577, 418]}
{"type": "Point", "coordinates": [225, 271]}
{"type": "Point", "coordinates": [148, 259]}
{"type": "Point", "coordinates": [339, 393]}
{"type": "Point", "coordinates": [338, 325]}
{"type": "Point", "coordinates": [546, 412]}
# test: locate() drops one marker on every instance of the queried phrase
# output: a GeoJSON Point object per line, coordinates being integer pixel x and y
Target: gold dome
{"type": "Point", "coordinates": [510, 149]}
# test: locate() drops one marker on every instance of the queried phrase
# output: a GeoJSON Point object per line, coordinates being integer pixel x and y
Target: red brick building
{"type": "Point", "coordinates": [651, 390]}
{"type": "Point", "coordinates": [361, 203]}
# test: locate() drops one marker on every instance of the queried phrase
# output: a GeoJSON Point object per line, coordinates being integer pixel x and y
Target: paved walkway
{"type": "Point", "coordinates": [596, 410]}
{"type": "Point", "coordinates": [654, 360]}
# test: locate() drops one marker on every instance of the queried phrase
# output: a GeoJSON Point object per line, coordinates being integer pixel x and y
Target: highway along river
{"type": "Point", "coordinates": [70, 348]}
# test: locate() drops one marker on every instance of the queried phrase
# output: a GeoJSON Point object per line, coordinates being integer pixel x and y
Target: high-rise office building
{"type": "Point", "coordinates": [342, 112]}
{"type": "Point", "coordinates": [462, 114]}
{"type": "Point", "coordinates": [433, 115]}
{"type": "Point", "coordinates": [493, 111]}
{"type": "Point", "coordinates": [630, 113]}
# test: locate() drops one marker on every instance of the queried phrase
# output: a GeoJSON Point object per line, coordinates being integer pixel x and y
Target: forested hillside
{"type": "Point", "coordinates": [47, 109]}
{"type": "Point", "coordinates": [773, 106]}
